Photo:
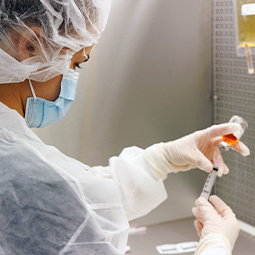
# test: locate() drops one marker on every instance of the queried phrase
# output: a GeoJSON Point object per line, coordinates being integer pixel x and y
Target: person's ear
{"type": "Point", "coordinates": [29, 43]}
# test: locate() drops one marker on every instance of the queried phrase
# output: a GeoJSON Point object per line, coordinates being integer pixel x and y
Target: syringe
{"type": "Point", "coordinates": [211, 180]}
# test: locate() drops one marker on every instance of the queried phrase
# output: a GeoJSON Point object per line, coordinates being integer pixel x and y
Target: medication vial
{"type": "Point", "coordinates": [232, 139]}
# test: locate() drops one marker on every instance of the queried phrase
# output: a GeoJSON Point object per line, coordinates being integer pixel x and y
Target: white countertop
{"type": "Point", "coordinates": [177, 232]}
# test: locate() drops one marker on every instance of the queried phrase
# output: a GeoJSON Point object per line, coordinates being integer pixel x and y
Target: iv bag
{"type": "Point", "coordinates": [245, 30]}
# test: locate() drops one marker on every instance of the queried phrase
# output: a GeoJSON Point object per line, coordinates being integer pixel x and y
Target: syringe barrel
{"type": "Point", "coordinates": [209, 184]}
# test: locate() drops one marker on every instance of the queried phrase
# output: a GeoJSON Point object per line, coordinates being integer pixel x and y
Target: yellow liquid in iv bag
{"type": "Point", "coordinates": [246, 23]}
{"type": "Point", "coordinates": [246, 29]}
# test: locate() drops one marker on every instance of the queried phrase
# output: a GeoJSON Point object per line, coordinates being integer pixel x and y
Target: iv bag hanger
{"type": "Point", "coordinates": [245, 30]}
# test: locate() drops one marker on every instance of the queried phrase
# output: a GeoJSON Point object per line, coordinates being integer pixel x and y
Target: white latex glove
{"type": "Point", "coordinates": [197, 150]}
{"type": "Point", "coordinates": [216, 224]}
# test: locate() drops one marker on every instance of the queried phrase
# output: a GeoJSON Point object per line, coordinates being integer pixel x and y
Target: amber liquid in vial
{"type": "Point", "coordinates": [230, 139]}
{"type": "Point", "coordinates": [246, 27]}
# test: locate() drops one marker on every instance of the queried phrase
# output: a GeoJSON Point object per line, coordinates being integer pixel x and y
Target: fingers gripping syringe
{"type": "Point", "coordinates": [211, 180]}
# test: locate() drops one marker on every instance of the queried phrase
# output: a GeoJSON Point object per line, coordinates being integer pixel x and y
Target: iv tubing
{"type": "Point", "coordinates": [249, 59]}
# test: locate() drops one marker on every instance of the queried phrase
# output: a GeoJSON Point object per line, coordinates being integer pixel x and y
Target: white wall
{"type": "Point", "coordinates": [148, 80]}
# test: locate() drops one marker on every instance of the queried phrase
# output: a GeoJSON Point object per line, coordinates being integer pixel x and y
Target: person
{"type": "Point", "coordinates": [51, 203]}
{"type": "Point", "coordinates": [216, 225]}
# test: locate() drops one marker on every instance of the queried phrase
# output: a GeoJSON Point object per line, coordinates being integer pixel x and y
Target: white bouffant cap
{"type": "Point", "coordinates": [39, 37]}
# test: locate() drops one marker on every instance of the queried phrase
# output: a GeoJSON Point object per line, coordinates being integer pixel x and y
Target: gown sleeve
{"type": "Point", "coordinates": [218, 251]}
{"type": "Point", "coordinates": [141, 190]}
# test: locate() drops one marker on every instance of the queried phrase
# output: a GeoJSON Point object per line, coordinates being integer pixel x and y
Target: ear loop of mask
{"type": "Point", "coordinates": [32, 89]}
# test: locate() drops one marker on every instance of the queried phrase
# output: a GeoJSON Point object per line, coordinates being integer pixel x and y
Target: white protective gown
{"type": "Point", "coordinates": [53, 204]}
{"type": "Point", "coordinates": [215, 251]}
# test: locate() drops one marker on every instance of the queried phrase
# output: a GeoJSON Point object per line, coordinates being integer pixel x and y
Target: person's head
{"type": "Point", "coordinates": [39, 37]}
{"type": "Point", "coordinates": [40, 41]}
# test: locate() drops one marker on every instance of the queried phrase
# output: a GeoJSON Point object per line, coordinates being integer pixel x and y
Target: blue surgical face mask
{"type": "Point", "coordinates": [40, 112]}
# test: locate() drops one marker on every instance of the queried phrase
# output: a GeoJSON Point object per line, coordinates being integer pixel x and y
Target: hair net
{"type": "Point", "coordinates": [51, 31]}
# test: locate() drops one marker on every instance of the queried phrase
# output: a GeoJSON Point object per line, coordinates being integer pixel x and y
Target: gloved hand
{"type": "Point", "coordinates": [197, 150]}
{"type": "Point", "coordinates": [216, 224]}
